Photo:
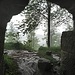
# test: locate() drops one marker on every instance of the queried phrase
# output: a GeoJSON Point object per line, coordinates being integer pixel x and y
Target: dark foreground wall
{"type": "Point", "coordinates": [68, 53]}
{"type": "Point", "coordinates": [8, 8]}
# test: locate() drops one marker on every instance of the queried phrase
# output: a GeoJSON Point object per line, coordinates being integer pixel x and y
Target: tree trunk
{"type": "Point", "coordinates": [49, 9]}
{"type": "Point", "coordinates": [51, 42]}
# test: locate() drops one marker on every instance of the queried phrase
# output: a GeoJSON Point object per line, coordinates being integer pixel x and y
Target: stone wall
{"type": "Point", "coordinates": [68, 53]}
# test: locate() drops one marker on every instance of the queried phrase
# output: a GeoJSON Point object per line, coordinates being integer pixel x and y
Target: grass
{"type": "Point", "coordinates": [42, 52]}
{"type": "Point", "coordinates": [56, 50]}
{"type": "Point", "coordinates": [11, 67]}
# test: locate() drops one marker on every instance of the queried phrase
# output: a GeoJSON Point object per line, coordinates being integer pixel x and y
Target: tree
{"type": "Point", "coordinates": [12, 38]}
{"type": "Point", "coordinates": [49, 10]}
{"type": "Point", "coordinates": [34, 15]}
{"type": "Point", "coordinates": [37, 12]}
{"type": "Point", "coordinates": [12, 35]}
{"type": "Point", "coordinates": [32, 40]}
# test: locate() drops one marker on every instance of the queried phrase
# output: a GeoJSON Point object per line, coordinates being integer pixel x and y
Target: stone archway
{"type": "Point", "coordinates": [8, 8]}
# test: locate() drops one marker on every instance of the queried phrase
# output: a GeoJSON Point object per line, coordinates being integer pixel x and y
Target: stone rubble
{"type": "Point", "coordinates": [29, 62]}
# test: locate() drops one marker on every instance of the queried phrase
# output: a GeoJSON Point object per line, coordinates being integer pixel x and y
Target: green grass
{"type": "Point", "coordinates": [42, 53]}
{"type": "Point", "coordinates": [56, 50]}
{"type": "Point", "coordinates": [11, 67]}
{"type": "Point", "coordinates": [17, 46]}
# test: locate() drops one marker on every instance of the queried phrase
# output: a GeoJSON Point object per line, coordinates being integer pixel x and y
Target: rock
{"type": "Point", "coordinates": [31, 64]}
{"type": "Point", "coordinates": [57, 58]}
{"type": "Point", "coordinates": [56, 70]}
{"type": "Point", "coordinates": [5, 52]}
{"type": "Point", "coordinates": [45, 66]}
{"type": "Point", "coordinates": [48, 53]}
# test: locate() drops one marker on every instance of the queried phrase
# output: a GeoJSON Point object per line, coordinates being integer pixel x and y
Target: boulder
{"type": "Point", "coordinates": [45, 66]}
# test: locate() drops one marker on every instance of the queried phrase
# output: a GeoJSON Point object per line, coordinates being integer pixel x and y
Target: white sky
{"type": "Point", "coordinates": [60, 29]}
{"type": "Point", "coordinates": [17, 17]}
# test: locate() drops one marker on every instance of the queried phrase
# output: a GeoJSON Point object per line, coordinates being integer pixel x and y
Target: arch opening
{"type": "Point", "coordinates": [63, 21]}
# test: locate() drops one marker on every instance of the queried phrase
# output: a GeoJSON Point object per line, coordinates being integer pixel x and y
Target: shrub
{"type": "Point", "coordinates": [56, 50]}
{"type": "Point", "coordinates": [9, 45]}
{"type": "Point", "coordinates": [42, 53]}
{"type": "Point", "coordinates": [17, 46]}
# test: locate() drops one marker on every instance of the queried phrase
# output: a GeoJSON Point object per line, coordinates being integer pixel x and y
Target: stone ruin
{"type": "Point", "coordinates": [67, 39]}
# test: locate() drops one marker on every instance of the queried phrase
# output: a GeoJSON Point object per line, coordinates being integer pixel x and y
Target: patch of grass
{"type": "Point", "coordinates": [11, 67]}
{"type": "Point", "coordinates": [42, 53]}
{"type": "Point", "coordinates": [17, 46]}
{"type": "Point", "coordinates": [56, 50]}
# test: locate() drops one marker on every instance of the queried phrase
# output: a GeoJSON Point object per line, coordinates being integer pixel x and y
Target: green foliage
{"type": "Point", "coordinates": [17, 46]}
{"type": "Point", "coordinates": [32, 40]}
{"type": "Point", "coordinates": [56, 50]}
{"type": "Point", "coordinates": [42, 53]}
{"type": "Point", "coordinates": [9, 46]}
{"type": "Point", "coordinates": [28, 48]}
{"type": "Point", "coordinates": [12, 35]}
{"type": "Point", "coordinates": [11, 67]}
{"type": "Point", "coordinates": [34, 14]}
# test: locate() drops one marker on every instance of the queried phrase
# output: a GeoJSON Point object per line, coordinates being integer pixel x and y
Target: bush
{"type": "Point", "coordinates": [11, 67]}
{"type": "Point", "coordinates": [42, 53]}
{"type": "Point", "coordinates": [9, 46]}
{"type": "Point", "coordinates": [56, 50]}
{"type": "Point", "coordinates": [17, 46]}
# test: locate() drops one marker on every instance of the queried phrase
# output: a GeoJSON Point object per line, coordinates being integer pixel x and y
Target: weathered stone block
{"type": "Point", "coordinates": [68, 41]}
{"type": "Point", "coordinates": [45, 66]}
{"type": "Point", "coordinates": [68, 53]}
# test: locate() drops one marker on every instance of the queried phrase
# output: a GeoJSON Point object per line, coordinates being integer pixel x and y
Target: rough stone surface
{"type": "Point", "coordinates": [68, 42]}
{"type": "Point", "coordinates": [27, 61]}
{"type": "Point", "coordinates": [45, 66]}
{"type": "Point", "coordinates": [8, 8]}
{"type": "Point", "coordinates": [68, 53]}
